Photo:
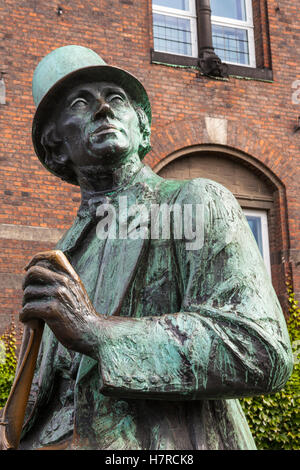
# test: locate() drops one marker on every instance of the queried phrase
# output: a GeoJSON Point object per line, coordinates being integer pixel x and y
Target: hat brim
{"type": "Point", "coordinates": [121, 77]}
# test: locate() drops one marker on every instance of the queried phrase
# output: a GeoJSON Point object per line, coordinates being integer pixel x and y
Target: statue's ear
{"type": "Point", "coordinates": [54, 155]}
{"type": "Point", "coordinates": [145, 132]}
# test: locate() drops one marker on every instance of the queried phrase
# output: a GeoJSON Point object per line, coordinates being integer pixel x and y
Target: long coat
{"type": "Point", "coordinates": [203, 328]}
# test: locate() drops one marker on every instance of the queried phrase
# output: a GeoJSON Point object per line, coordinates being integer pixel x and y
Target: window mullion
{"type": "Point", "coordinates": [172, 12]}
{"type": "Point", "coordinates": [232, 22]}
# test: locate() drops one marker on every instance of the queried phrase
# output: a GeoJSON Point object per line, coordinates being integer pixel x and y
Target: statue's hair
{"type": "Point", "coordinates": [53, 160]}
{"type": "Point", "coordinates": [145, 130]}
{"type": "Point", "coordinates": [61, 166]}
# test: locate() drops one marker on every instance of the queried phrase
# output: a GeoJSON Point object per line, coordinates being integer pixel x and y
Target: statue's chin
{"type": "Point", "coordinates": [106, 147]}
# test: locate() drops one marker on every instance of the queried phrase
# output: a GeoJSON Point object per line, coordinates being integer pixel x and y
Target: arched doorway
{"type": "Point", "coordinates": [246, 184]}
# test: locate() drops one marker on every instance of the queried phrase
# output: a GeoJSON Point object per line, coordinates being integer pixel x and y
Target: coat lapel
{"type": "Point", "coordinates": [118, 266]}
{"type": "Point", "coordinates": [75, 234]}
{"type": "Point", "coordinates": [122, 254]}
{"type": "Point", "coordinates": [121, 257]}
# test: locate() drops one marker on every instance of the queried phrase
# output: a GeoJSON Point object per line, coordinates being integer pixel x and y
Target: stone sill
{"type": "Point", "coordinates": [236, 71]}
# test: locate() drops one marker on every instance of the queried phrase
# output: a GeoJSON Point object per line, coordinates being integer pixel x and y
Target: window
{"type": "Point", "coordinates": [219, 37]}
{"type": "Point", "coordinates": [258, 221]}
{"type": "Point", "coordinates": [174, 26]}
{"type": "Point", "coordinates": [233, 32]}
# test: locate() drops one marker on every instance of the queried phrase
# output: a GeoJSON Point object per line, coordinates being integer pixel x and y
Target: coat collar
{"type": "Point", "coordinates": [143, 186]}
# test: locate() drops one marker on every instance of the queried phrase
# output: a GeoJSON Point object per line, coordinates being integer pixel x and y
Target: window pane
{"type": "Point", "coordinates": [255, 225]}
{"type": "Point", "coordinates": [231, 44]}
{"type": "Point", "coordinates": [234, 9]}
{"type": "Point", "coordinates": [178, 4]}
{"type": "Point", "coordinates": [172, 34]}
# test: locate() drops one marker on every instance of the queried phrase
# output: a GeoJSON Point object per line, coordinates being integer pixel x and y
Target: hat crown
{"type": "Point", "coordinates": [58, 64]}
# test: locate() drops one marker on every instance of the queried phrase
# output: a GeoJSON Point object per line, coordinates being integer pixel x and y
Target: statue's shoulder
{"type": "Point", "coordinates": [205, 190]}
{"type": "Point", "coordinates": [191, 190]}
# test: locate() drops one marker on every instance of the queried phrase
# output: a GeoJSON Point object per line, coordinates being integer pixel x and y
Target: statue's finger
{"type": "Point", "coordinates": [35, 292]}
{"type": "Point", "coordinates": [57, 259]}
{"type": "Point", "coordinates": [44, 263]}
{"type": "Point", "coordinates": [41, 275]}
{"type": "Point", "coordinates": [45, 310]}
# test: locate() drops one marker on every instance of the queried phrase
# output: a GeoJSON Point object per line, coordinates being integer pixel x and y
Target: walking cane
{"type": "Point", "coordinates": [12, 418]}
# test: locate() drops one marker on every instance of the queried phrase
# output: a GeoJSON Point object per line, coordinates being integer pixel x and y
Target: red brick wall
{"type": "Point", "coordinates": [261, 115]}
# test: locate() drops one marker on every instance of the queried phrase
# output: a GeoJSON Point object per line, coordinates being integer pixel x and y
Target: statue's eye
{"type": "Point", "coordinates": [79, 103]}
{"type": "Point", "coordinates": [115, 98]}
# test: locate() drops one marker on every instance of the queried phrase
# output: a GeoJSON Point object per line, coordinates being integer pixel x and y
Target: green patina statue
{"type": "Point", "coordinates": [176, 317]}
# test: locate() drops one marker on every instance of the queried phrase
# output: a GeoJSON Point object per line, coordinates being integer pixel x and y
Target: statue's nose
{"type": "Point", "coordinates": [103, 109]}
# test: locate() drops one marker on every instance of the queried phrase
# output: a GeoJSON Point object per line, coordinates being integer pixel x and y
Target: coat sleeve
{"type": "Point", "coordinates": [229, 338]}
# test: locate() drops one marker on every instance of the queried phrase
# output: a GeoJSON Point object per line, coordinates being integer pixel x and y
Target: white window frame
{"type": "Point", "coordinates": [246, 25]}
{"type": "Point", "coordinates": [190, 14]}
{"type": "Point", "coordinates": [262, 214]}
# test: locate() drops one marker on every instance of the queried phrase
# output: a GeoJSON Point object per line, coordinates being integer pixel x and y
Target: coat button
{"type": "Point", "coordinates": [138, 379]}
{"type": "Point", "coordinates": [154, 379]}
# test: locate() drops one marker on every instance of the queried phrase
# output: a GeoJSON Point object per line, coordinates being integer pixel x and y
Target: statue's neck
{"type": "Point", "coordinates": [97, 179]}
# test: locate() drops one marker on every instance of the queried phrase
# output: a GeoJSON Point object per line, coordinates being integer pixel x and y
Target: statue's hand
{"type": "Point", "coordinates": [54, 293]}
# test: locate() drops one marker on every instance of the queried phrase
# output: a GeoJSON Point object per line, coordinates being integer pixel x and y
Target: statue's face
{"type": "Point", "coordinates": [97, 123]}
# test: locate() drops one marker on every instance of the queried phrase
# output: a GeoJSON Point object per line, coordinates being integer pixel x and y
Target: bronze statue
{"type": "Point", "coordinates": [168, 326]}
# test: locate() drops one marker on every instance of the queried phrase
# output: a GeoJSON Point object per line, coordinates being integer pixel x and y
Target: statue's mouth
{"type": "Point", "coordinates": [104, 129]}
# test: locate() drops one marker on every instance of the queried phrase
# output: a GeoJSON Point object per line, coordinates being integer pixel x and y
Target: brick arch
{"type": "Point", "coordinates": [185, 134]}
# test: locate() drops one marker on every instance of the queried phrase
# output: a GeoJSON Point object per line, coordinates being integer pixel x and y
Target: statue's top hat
{"type": "Point", "coordinates": [68, 66]}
